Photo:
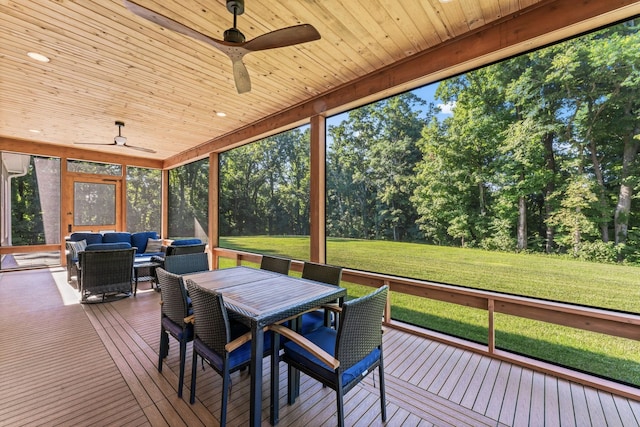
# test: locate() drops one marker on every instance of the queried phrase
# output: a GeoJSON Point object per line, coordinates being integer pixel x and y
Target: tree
{"type": "Point", "coordinates": [371, 161]}
{"type": "Point", "coordinates": [461, 154]}
{"type": "Point", "coordinates": [264, 186]}
{"type": "Point", "coordinates": [189, 199]}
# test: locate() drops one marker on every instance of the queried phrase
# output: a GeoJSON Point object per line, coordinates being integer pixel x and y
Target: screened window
{"type": "Point", "coordinates": [94, 168]}
{"type": "Point", "coordinates": [30, 209]}
{"type": "Point", "coordinates": [144, 199]}
{"type": "Point", "coordinates": [520, 177]}
{"type": "Point", "coordinates": [94, 203]}
{"type": "Point", "coordinates": [189, 201]}
{"type": "Point", "coordinates": [264, 195]}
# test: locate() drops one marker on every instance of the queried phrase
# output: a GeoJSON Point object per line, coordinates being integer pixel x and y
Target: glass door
{"type": "Point", "coordinates": [96, 205]}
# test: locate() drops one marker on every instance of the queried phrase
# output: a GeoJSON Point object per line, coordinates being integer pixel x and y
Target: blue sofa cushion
{"type": "Point", "coordinates": [91, 238]}
{"type": "Point", "coordinates": [107, 246]}
{"type": "Point", "coordinates": [116, 237]}
{"type": "Point", "coordinates": [185, 242]}
{"type": "Point", "coordinates": [139, 240]}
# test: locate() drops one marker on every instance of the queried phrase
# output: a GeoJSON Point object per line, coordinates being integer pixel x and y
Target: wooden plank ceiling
{"type": "Point", "coordinates": [108, 64]}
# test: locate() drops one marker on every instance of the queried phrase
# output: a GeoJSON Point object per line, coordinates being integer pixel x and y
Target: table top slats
{"type": "Point", "coordinates": [264, 296]}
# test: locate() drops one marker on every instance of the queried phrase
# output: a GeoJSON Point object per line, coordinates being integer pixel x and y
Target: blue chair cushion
{"type": "Point", "coordinates": [312, 321]}
{"type": "Point", "coordinates": [116, 237]}
{"type": "Point", "coordinates": [139, 240]}
{"type": "Point", "coordinates": [177, 331]}
{"type": "Point", "coordinates": [91, 238]}
{"type": "Point", "coordinates": [325, 338]}
{"type": "Point", "coordinates": [107, 246]}
{"type": "Point", "coordinates": [238, 357]}
{"type": "Point", "coordinates": [356, 371]}
{"type": "Point", "coordinates": [185, 242]}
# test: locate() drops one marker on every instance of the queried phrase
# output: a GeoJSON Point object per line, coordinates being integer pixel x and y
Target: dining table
{"type": "Point", "coordinates": [260, 298]}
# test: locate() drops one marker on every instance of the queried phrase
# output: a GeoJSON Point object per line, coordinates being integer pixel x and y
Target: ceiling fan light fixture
{"type": "Point", "coordinates": [119, 139]}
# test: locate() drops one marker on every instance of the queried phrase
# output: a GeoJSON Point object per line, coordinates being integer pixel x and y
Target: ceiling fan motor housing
{"type": "Point", "coordinates": [233, 35]}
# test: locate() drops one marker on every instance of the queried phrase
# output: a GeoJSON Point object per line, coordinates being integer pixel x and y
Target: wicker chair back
{"type": "Point", "coordinates": [212, 323]}
{"type": "Point", "coordinates": [276, 264]}
{"type": "Point", "coordinates": [188, 263]}
{"type": "Point", "coordinates": [322, 273]}
{"type": "Point", "coordinates": [174, 296]}
{"type": "Point", "coordinates": [360, 329]}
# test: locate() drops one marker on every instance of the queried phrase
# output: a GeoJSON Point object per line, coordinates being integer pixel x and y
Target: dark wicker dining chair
{"type": "Point", "coordinates": [224, 344]}
{"type": "Point", "coordinates": [341, 358]}
{"type": "Point", "coordinates": [325, 273]}
{"type": "Point", "coordinates": [275, 264]}
{"type": "Point", "coordinates": [175, 308]}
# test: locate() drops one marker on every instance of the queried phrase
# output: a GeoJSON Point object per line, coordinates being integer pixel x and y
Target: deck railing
{"type": "Point", "coordinates": [606, 322]}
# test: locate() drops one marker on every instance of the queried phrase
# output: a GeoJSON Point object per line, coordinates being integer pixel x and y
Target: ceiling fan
{"type": "Point", "coordinates": [234, 44]}
{"type": "Point", "coordinates": [119, 140]}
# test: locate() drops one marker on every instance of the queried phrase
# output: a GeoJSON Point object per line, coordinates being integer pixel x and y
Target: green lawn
{"type": "Point", "coordinates": [549, 277]}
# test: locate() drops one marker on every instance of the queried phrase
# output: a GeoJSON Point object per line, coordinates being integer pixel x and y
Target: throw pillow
{"type": "Point", "coordinates": [76, 247]}
{"type": "Point", "coordinates": [153, 246]}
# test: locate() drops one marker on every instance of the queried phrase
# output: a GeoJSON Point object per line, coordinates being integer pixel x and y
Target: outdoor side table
{"type": "Point", "coordinates": [144, 271]}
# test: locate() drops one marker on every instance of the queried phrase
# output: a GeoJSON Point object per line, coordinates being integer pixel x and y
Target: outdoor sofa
{"type": "Point", "coordinates": [146, 244]}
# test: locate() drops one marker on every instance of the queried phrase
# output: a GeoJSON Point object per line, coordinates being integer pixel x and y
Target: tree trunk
{"type": "Point", "coordinates": [550, 163]}
{"type": "Point", "coordinates": [621, 216]}
{"type": "Point", "coordinates": [602, 197]}
{"type": "Point", "coordinates": [522, 223]}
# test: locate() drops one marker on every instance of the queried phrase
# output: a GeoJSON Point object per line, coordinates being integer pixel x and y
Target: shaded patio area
{"type": "Point", "coordinates": [69, 364]}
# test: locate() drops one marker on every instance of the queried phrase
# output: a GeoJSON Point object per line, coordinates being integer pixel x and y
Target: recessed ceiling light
{"type": "Point", "coordinates": [221, 114]}
{"type": "Point", "coordinates": [38, 56]}
{"type": "Point", "coordinates": [34, 131]}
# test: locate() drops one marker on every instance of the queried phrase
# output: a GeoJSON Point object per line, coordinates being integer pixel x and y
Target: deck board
{"type": "Point", "coordinates": [96, 365]}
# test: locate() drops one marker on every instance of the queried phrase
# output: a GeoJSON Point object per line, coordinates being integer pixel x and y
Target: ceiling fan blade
{"type": "Point", "coordinates": [172, 25]}
{"type": "Point", "coordinates": [146, 150]}
{"type": "Point", "coordinates": [283, 37]}
{"type": "Point", "coordinates": [241, 75]}
{"type": "Point", "coordinates": [95, 143]}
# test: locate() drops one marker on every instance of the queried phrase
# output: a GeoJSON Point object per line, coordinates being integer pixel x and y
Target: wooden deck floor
{"type": "Point", "coordinates": [67, 364]}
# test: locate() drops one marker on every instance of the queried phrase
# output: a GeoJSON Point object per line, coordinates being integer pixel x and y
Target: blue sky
{"type": "Point", "coordinates": [426, 93]}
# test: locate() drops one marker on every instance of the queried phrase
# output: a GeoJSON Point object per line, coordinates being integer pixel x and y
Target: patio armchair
{"type": "Point", "coordinates": [188, 263]}
{"type": "Point", "coordinates": [185, 249]}
{"type": "Point", "coordinates": [275, 264]}
{"type": "Point", "coordinates": [223, 344]}
{"type": "Point", "coordinates": [177, 248]}
{"type": "Point", "coordinates": [103, 272]}
{"type": "Point", "coordinates": [176, 307]}
{"type": "Point", "coordinates": [340, 358]}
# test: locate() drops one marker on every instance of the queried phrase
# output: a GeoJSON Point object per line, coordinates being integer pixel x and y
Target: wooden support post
{"type": "Point", "coordinates": [491, 327]}
{"type": "Point", "coordinates": [214, 191]}
{"type": "Point", "coordinates": [317, 192]}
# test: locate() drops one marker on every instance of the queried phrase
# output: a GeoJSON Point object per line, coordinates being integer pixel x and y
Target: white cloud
{"type": "Point", "coordinates": [447, 108]}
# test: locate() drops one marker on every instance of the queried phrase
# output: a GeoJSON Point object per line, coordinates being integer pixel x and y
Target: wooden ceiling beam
{"type": "Point", "coordinates": [52, 150]}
